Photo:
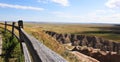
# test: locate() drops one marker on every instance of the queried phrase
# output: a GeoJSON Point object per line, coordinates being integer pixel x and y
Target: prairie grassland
{"type": "Point", "coordinates": [107, 31]}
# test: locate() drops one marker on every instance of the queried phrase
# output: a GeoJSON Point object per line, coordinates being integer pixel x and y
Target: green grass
{"type": "Point", "coordinates": [11, 51]}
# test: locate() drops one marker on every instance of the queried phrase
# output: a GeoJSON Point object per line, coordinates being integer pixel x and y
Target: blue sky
{"type": "Point", "coordinates": [76, 11]}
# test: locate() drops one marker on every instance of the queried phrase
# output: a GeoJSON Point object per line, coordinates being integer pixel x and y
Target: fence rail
{"type": "Point", "coordinates": [32, 47]}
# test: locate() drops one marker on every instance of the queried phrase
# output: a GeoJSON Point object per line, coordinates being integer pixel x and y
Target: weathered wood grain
{"type": "Point", "coordinates": [26, 53]}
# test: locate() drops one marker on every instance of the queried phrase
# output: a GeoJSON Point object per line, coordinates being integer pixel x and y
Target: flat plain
{"type": "Point", "coordinates": [106, 31]}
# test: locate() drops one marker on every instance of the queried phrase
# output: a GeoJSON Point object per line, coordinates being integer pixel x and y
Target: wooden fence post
{"type": "Point", "coordinates": [5, 26]}
{"type": "Point", "coordinates": [20, 25]}
{"type": "Point", "coordinates": [13, 25]}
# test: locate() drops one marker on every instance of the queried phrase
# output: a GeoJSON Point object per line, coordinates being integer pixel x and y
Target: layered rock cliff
{"type": "Point", "coordinates": [89, 41]}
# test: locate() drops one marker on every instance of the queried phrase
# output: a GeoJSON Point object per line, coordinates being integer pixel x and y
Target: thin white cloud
{"type": "Point", "coordinates": [97, 16]}
{"type": "Point", "coordinates": [4, 5]}
{"type": "Point", "coordinates": [61, 2]}
{"type": "Point", "coordinates": [101, 12]}
{"type": "Point", "coordinates": [103, 16]}
{"type": "Point", "coordinates": [113, 3]}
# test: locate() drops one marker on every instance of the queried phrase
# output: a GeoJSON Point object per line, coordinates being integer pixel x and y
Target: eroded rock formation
{"type": "Point", "coordinates": [89, 41]}
{"type": "Point", "coordinates": [102, 56]}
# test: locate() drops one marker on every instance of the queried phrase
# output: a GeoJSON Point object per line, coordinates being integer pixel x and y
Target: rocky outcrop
{"type": "Point", "coordinates": [84, 58]}
{"type": "Point", "coordinates": [102, 56]}
{"type": "Point", "coordinates": [89, 41]}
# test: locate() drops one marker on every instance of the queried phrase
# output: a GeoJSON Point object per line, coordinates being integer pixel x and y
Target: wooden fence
{"type": "Point", "coordinates": [34, 50]}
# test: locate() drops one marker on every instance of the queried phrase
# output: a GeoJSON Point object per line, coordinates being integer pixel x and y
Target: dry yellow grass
{"type": "Point", "coordinates": [62, 28]}
{"type": "Point", "coordinates": [100, 30]}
